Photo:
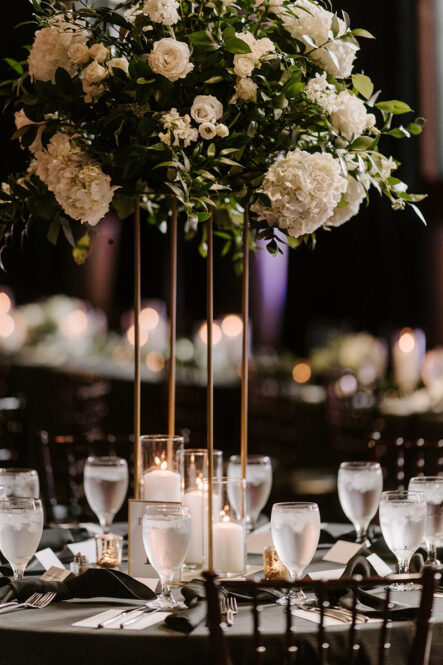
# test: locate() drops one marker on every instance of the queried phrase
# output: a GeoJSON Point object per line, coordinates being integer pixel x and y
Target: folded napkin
{"type": "Point", "coordinates": [91, 584]}
{"type": "Point", "coordinates": [185, 621]}
{"type": "Point", "coordinates": [57, 538]}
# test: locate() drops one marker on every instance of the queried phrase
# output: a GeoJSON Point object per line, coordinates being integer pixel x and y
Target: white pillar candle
{"type": "Point", "coordinates": [407, 357]}
{"type": "Point", "coordinates": [197, 499]}
{"type": "Point", "coordinates": [228, 547]}
{"type": "Point", "coordinates": [162, 485]}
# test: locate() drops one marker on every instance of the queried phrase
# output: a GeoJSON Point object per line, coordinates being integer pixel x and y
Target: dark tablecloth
{"type": "Point", "coordinates": [46, 637]}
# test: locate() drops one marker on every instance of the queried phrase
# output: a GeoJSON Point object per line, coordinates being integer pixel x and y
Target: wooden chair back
{"type": "Point", "coordinates": [290, 650]}
{"type": "Point", "coordinates": [402, 459]}
{"type": "Point", "coordinates": [61, 463]}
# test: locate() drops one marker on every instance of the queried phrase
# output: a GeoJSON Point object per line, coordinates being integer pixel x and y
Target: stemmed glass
{"type": "Point", "coordinates": [258, 484]}
{"type": "Point", "coordinates": [295, 531]}
{"type": "Point", "coordinates": [20, 482]}
{"type": "Point", "coordinates": [166, 537]}
{"type": "Point", "coordinates": [106, 483]}
{"type": "Point", "coordinates": [21, 526]}
{"type": "Point", "coordinates": [360, 485]}
{"type": "Point", "coordinates": [432, 488]}
{"type": "Point", "coordinates": [403, 522]}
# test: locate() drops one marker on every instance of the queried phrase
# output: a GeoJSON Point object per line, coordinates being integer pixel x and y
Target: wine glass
{"type": "Point", "coordinates": [20, 482]}
{"type": "Point", "coordinates": [258, 484]}
{"type": "Point", "coordinates": [360, 485]}
{"type": "Point", "coordinates": [432, 488]}
{"type": "Point", "coordinates": [21, 526]}
{"type": "Point", "coordinates": [166, 537]}
{"type": "Point", "coordinates": [403, 522]}
{"type": "Point", "coordinates": [295, 531]}
{"type": "Point", "coordinates": [106, 483]}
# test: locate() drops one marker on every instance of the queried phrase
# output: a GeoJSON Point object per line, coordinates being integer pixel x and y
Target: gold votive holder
{"type": "Point", "coordinates": [108, 549]}
{"type": "Point", "coordinates": [274, 569]}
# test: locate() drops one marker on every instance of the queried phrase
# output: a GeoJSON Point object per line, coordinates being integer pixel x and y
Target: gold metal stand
{"type": "Point", "coordinates": [172, 317]}
{"type": "Point", "coordinates": [245, 347]}
{"type": "Point", "coordinates": [210, 384]}
{"type": "Point", "coordinates": [137, 382]}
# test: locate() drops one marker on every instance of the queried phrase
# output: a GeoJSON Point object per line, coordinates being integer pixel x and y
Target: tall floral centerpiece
{"type": "Point", "coordinates": [253, 107]}
{"type": "Point", "coordinates": [222, 104]}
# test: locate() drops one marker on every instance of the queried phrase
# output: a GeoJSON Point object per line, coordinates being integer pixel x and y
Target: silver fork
{"type": "Point", "coordinates": [35, 602]}
{"type": "Point", "coordinates": [232, 604]}
{"type": "Point", "coordinates": [225, 609]}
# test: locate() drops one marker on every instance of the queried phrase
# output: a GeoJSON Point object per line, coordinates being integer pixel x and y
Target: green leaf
{"type": "Point", "coordinates": [363, 85]}
{"type": "Point", "coordinates": [419, 213]}
{"type": "Point", "coordinates": [67, 231]}
{"type": "Point", "coordinates": [63, 81]}
{"type": "Point", "coordinates": [236, 45]}
{"type": "Point", "coordinates": [362, 143]}
{"type": "Point", "coordinates": [16, 66]}
{"type": "Point", "coordinates": [361, 32]}
{"type": "Point", "coordinates": [82, 249]}
{"type": "Point", "coordinates": [415, 129]}
{"type": "Point", "coordinates": [394, 106]}
{"type": "Point", "coordinates": [293, 243]}
{"type": "Point", "coordinates": [211, 150]}
{"type": "Point", "coordinates": [204, 39]}
{"type": "Point", "coordinates": [228, 32]}
{"type": "Point", "coordinates": [53, 231]}
{"type": "Point", "coordinates": [214, 79]}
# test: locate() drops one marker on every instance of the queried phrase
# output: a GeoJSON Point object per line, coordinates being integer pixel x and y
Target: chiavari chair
{"type": "Point", "coordinates": [61, 463]}
{"type": "Point", "coordinates": [402, 458]}
{"type": "Point", "coordinates": [290, 652]}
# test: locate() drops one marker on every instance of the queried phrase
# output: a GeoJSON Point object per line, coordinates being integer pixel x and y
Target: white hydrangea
{"type": "Point", "coordinates": [321, 92]}
{"type": "Point", "coordinates": [245, 89]}
{"type": "Point", "coordinates": [206, 108]}
{"type": "Point", "coordinates": [178, 128]}
{"type": "Point", "coordinates": [244, 64]}
{"type": "Point", "coordinates": [314, 21]}
{"type": "Point", "coordinates": [304, 189]}
{"type": "Point", "coordinates": [162, 11]}
{"type": "Point", "coordinates": [355, 195]}
{"type": "Point", "coordinates": [50, 49]}
{"type": "Point", "coordinates": [21, 119]}
{"type": "Point", "coordinates": [349, 116]}
{"type": "Point", "coordinates": [78, 183]}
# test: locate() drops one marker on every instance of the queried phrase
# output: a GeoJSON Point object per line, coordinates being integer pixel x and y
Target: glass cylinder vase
{"type": "Point", "coordinates": [195, 496]}
{"type": "Point", "coordinates": [229, 527]}
{"type": "Point", "coordinates": [162, 467]}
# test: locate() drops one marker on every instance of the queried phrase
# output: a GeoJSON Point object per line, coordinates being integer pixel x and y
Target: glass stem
{"type": "Point", "coordinates": [432, 555]}
{"type": "Point", "coordinates": [105, 523]}
{"type": "Point", "coordinates": [17, 572]}
{"type": "Point", "coordinates": [361, 533]}
{"type": "Point", "coordinates": [166, 586]}
{"type": "Point", "coordinates": [403, 566]}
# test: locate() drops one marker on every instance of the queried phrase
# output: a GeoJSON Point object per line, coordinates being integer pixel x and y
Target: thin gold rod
{"type": "Point", "coordinates": [245, 347]}
{"type": "Point", "coordinates": [172, 317]}
{"type": "Point", "coordinates": [210, 385]}
{"type": "Point", "coordinates": [137, 383]}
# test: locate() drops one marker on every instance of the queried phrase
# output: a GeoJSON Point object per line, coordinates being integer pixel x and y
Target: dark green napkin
{"type": "Point", "coordinates": [91, 584]}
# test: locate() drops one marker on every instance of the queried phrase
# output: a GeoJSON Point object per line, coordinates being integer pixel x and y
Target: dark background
{"type": "Point", "coordinates": [378, 272]}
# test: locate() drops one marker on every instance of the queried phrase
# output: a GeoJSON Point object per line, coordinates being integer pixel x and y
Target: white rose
{"type": "Point", "coordinates": [246, 89]}
{"type": "Point", "coordinates": [78, 54]}
{"type": "Point", "coordinates": [349, 117]}
{"type": "Point", "coordinates": [94, 73]}
{"type": "Point", "coordinates": [99, 52]}
{"type": "Point", "coordinates": [118, 63]}
{"type": "Point", "coordinates": [304, 189]}
{"type": "Point", "coordinates": [244, 65]}
{"type": "Point", "coordinates": [207, 130]}
{"type": "Point", "coordinates": [206, 108]}
{"type": "Point", "coordinates": [170, 58]}
{"type": "Point", "coordinates": [21, 120]}
{"type": "Point", "coordinates": [222, 130]}
{"type": "Point", "coordinates": [162, 11]}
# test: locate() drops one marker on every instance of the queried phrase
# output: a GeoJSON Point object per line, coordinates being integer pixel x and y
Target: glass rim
{"type": "Point", "coordinates": [6, 470]}
{"type": "Point", "coordinates": [296, 504]}
{"type": "Point", "coordinates": [162, 437]}
{"type": "Point", "coordinates": [201, 451]}
{"type": "Point", "coordinates": [224, 480]}
{"type": "Point", "coordinates": [250, 458]}
{"type": "Point", "coordinates": [368, 466]}
{"type": "Point", "coordinates": [426, 479]}
{"type": "Point", "coordinates": [19, 500]}
{"type": "Point", "coordinates": [106, 460]}
{"type": "Point", "coordinates": [400, 495]}
{"type": "Point", "coordinates": [167, 505]}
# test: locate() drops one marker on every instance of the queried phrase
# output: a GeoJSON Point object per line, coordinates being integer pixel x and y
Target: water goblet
{"type": "Point", "coordinates": [360, 485]}
{"type": "Point", "coordinates": [21, 526]}
{"type": "Point", "coordinates": [166, 529]}
{"type": "Point", "coordinates": [403, 522]}
{"type": "Point", "coordinates": [20, 482]}
{"type": "Point", "coordinates": [106, 483]}
{"type": "Point", "coordinates": [432, 488]}
{"type": "Point", "coordinates": [258, 484]}
{"type": "Point", "coordinates": [295, 531]}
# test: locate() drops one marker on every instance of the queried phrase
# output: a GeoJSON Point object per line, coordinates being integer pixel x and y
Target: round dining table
{"type": "Point", "coordinates": [47, 636]}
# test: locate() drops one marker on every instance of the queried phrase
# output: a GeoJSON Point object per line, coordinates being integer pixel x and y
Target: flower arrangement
{"type": "Point", "coordinates": [221, 104]}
